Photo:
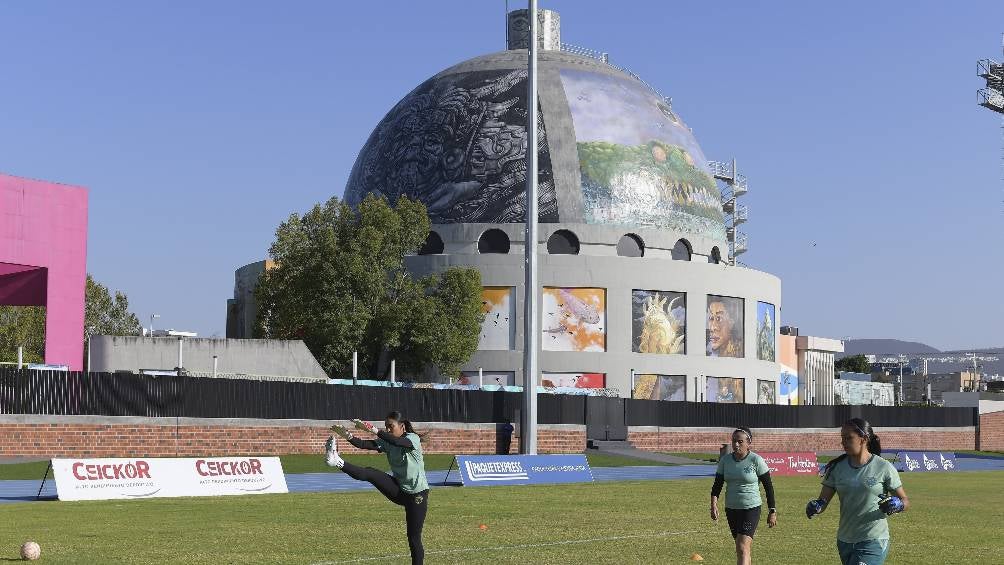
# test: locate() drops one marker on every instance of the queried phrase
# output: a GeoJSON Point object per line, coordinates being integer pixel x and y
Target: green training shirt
{"type": "Point", "coordinates": [742, 482]}
{"type": "Point", "coordinates": [860, 490]}
{"type": "Point", "coordinates": [407, 465]}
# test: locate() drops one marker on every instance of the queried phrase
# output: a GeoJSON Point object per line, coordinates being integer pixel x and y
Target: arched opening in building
{"type": "Point", "coordinates": [716, 256]}
{"type": "Point", "coordinates": [682, 250]}
{"type": "Point", "coordinates": [493, 241]}
{"type": "Point", "coordinates": [433, 245]}
{"type": "Point", "coordinates": [563, 242]}
{"type": "Point", "coordinates": [630, 245]}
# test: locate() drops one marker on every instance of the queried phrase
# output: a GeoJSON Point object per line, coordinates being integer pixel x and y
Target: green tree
{"type": "Point", "coordinates": [340, 284]}
{"type": "Point", "coordinates": [22, 326]}
{"type": "Point", "coordinates": [854, 364]}
{"type": "Point", "coordinates": [105, 314]}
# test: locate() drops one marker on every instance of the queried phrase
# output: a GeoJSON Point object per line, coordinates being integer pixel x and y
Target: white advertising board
{"type": "Point", "coordinates": [151, 477]}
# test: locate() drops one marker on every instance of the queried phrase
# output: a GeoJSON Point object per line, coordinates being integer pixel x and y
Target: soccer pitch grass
{"type": "Point", "coordinates": [954, 518]}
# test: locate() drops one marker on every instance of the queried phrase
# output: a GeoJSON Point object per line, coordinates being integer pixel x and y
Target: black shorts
{"type": "Point", "coordinates": [743, 522]}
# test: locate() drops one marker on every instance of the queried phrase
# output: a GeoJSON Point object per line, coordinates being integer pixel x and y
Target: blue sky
{"type": "Point", "coordinates": [876, 190]}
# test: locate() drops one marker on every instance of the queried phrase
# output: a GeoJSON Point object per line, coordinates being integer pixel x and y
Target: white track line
{"type": "Point", "coordinates": [518, 546]}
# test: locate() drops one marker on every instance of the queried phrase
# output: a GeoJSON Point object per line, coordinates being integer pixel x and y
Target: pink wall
{"type": "Point", "coordinates": [43, 259]}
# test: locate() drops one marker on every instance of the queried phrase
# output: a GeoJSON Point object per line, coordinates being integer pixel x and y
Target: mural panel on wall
{"type": "Point", "coordinates": [498, 330]}
{"type": "Point", "coordinates": [500, 378]}
{"type": "Point", "coordinates": [765, 392]}
{"type": "Point", "coordinates": [765, 331]}
{"type": "Point", "coordinates": [724, 389]}
{"type": "Point", "coordinates": [660, 387]}
{"type": "Point", "coordinates": [458, 144]}
{"type": "Point", "coordinates": [574, 319]}
{"type": "Point", "coordinates": [725, 327]}
{"type": "Point", "coordinates": [573, 380]}
{"type": "Point", "coordinates": [788, 359]}
{"type": "Point", "coordinates": [640, 165]}
{"type": "Point", "coordinates": [658, 321]}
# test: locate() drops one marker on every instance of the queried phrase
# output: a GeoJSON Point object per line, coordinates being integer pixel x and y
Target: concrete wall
{"type": "Point", "coordinates": [598, 265]}
{"type": "Point", "coordinates": [251, 356]}
{"type": "Point", "coordinates": [43, 259]}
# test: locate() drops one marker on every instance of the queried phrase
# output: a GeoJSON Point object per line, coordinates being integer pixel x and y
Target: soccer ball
{"type": "Point", "coordinates": [30, 551]}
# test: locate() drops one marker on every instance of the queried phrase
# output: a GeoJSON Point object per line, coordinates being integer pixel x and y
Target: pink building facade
{"type": "Point", "coordinates": [43, 259]}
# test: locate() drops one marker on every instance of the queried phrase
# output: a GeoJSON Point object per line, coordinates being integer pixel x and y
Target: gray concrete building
{"type": "Point", "coordinates": [242, 309]}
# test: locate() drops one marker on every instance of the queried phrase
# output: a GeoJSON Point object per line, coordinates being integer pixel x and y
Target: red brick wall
{"type": "Point", "coordinates": [705, 439]}
{"type": "Point", "coordinates": [992, 431]}
{"type": "Point", "coordinates": [78, 438]}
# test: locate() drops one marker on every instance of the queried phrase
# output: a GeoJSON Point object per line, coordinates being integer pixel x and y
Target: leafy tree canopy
{"type": "Point", "coordinates": [341, 286]}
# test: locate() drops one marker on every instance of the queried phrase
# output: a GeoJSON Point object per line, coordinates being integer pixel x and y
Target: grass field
{"type": "Point", "coordinates": [955, 518]}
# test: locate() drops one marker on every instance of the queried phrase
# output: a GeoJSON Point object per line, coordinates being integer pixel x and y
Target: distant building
{"type": "Point", "coordinates": [242, 309]}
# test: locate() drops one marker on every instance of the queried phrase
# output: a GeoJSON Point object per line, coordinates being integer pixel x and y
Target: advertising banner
{"type": "Point", "coordinates": [924, 461]}
{"type": "Point", "coordinates": [151, 477]}
{"type": "Point", "coordinates": [791, 463]}
{"type": "Point", "coordinates": [494, 470]}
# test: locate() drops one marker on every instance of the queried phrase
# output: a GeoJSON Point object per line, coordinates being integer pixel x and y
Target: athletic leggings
{"type": "Point", "coordinates": [415, 505]}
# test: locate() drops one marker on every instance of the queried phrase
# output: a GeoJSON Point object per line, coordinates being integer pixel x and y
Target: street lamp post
{"type": "Point", "coordinates": [152, 316]}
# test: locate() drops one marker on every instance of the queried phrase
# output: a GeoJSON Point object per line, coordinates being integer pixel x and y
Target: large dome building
{"type": "Point", "coordinates": [639, 293]}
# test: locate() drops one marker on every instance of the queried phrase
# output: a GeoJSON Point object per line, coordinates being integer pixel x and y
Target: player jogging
{"type": "Point", "coordinates": [870, 490]}
{"type": "Point", "coordinates": [743, 471]}
{"type": "Point", "coordinates": [406, 486]}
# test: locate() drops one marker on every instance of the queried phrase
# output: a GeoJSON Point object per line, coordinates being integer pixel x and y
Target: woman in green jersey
{"type": "Point", "coordinates": [869, 489]}
{"type": "Point", "coordinates": [743, 471]}
{"type": "Point", "coordinates": [406, 486]}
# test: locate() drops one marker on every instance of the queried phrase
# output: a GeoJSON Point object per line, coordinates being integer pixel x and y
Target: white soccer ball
{"type": "Point", "coordinates": [30, 551]}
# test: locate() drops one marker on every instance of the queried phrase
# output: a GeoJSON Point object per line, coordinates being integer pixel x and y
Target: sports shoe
{"type": "Point", "coordinates": [342, 431]}
{"type": "Point", "coordinates": [331, 456]}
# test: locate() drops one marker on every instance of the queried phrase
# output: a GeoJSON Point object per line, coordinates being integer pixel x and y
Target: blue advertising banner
{"type": "Point", "coordinates": [924, 461]}
{"type": "Point", "coordinates": [492, 470]}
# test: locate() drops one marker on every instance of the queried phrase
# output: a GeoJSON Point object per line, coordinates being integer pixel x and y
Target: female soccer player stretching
{"type": "Point", "coordinates": [743, 471]}
{"type": "Point", "coordinates": [863, 481]}
{"type": "Point", "coordinates": [407, 486]}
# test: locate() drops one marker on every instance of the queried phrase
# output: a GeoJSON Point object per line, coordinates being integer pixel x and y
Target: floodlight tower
{"type": "Point", "coordinates": [992, 95]}
{"type": "Point", "coordinates": [735, 213]}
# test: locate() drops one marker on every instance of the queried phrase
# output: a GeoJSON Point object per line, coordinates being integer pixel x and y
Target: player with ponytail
{"type": "Point", "coordinates": [743, 471]}
{"type": "Point", "coordinates": [406, 486]}
{"type": "Point", "coordinates": [870, 490]}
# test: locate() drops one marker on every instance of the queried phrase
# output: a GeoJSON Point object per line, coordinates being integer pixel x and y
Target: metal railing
{"type": "Point", "coordinates": [991, 98]}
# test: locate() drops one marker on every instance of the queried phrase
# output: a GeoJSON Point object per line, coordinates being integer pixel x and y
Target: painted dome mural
{"type": "Point", "coordinates": [458, 141]}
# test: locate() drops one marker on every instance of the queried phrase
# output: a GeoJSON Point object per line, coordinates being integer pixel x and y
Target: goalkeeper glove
{"type": "Point", "coordinates": [365, 426]}
{"type": "Point", "coordinates": [814, 507]}
{"type": "Point", "coordinates": [891, 505]}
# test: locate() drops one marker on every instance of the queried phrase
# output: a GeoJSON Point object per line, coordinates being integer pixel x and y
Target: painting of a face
{"type": "Point", "coordinates": [719, 327]}
{"type": "Point", "coordinates": [725, 327]}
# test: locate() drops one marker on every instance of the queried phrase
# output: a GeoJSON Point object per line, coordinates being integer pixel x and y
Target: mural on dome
{"type": "Point", "coordinates": [640, 165]}
{"type": "Point", "coordinates": [458, 144]}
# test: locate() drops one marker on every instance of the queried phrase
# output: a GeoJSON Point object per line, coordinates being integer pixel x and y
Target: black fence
{"type": "Point", "coordinates": [118, 394]}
